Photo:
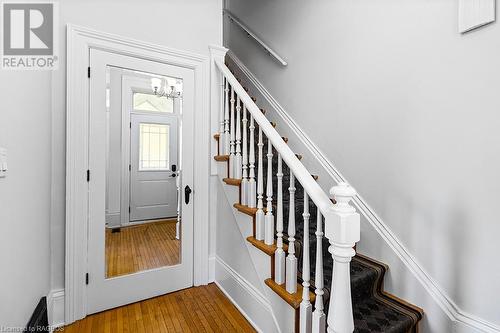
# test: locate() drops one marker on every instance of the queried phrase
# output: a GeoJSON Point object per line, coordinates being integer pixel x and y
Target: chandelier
{"type": "Point", "coordinates": [161, 89]}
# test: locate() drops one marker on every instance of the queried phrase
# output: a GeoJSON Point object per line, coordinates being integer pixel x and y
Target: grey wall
{"type": "Point", "coordinates": [407, 109]}
{"type": "Point", "coordinates": [32, 128]}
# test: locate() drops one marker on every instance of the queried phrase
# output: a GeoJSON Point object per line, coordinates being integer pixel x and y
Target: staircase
{"type": "Point", "coordinates": [294, 220]}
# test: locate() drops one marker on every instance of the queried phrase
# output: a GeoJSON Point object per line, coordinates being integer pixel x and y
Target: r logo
{"type": "Point", "coordinates": [28, 29]}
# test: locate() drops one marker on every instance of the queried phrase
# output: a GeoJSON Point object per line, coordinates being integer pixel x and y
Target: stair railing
{"type": "Point", "coordinates": [342, 222]}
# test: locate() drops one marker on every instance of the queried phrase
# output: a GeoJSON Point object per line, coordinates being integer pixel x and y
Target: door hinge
{"type": "Point", "coordinates": [86, 278]}
{"type": "Point", "coordinates": [88, 175]}
{"type": "Point", "coordinates": [129, 209]}
{"type": "Point", "coordinates": [130, 125]}
{"type": "Point", "coordinates": [88, 72]}
{"type": "Point", "coordinates": [130, 167]}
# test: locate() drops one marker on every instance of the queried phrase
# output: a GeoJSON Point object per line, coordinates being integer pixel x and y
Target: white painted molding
{"type": "Point", "coordinates": [473, 14]}
{"type": "Point", "coordinates": [211, 269]}
{"type": "Point", "coordinates": [448, 306]}
{"type": "Point", "coordinates": [55, 307]}
{"type": "Point", "coordinates": [248, 288]}
{"type": "Point", "coordinates": [79, 42]}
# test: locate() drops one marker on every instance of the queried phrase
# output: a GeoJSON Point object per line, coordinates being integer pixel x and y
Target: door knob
{"type": "Point", "coordinates": [187, 193]}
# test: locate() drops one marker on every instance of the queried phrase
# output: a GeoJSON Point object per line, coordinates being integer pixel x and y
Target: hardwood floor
{"type": "Point", "coordinates": [197, 309]}
{"type": "Point", "coordinates": [141, 247]}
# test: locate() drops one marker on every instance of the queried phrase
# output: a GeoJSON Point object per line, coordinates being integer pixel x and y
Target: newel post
{"type": "Point", "coordinates": [217, 93]}
{"type": "Point", "coordinates": [342, 228]}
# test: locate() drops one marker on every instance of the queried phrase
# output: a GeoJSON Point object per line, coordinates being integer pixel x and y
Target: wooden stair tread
{"type": "Point", "coordinates": [221, 158]}
{"type": "Point", "coordinates": [232, 181]}
{"type": "Point", "coordinates": [268, 249]}
{"type": "Point", "coordinates": [292, 299]}
{"type": "Point", "coordinates": [245, 209]}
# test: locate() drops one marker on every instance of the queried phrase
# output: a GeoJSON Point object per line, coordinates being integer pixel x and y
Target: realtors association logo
{"type": "Point", "coordinates": [29, 36]}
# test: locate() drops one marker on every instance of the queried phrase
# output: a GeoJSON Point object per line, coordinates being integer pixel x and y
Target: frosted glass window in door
{"type": "Point", "coordinates": [154, 146]}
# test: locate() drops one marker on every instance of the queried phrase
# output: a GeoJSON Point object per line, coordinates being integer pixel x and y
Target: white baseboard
{"type": "Point", "coordinates": [252, 304]}
{"type": "Point", "coordinates": [55, 307]}
{"type": "Point", "coordinates": [447, 305]}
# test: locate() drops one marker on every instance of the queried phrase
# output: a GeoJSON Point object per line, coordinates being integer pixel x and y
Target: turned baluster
{"type": "Point", "coordinates": [227, 137]}
{"type": "Point", "coordinates": [232, 138]}
{"type": "Point", "coordinates": [259, 215]}
{"type": "Point", "coordinates": [251, 200]}
{"type": "Point", "coordinates": [305, 305]}
{"type": "Point", "coordinates": [269, 223]}
{"type": "Point", "coordinates": [237, 157]}
{"type": "Point", "coordinates": [343, 231]}
{"type": "Point", "coordinates": [244, 180]}
{"type": "Point", "coordinates": [279, 254]}
{"type": "Point", "coordinates": [291, 260]}
{"type": "Point", "coordinates": [318, 316]}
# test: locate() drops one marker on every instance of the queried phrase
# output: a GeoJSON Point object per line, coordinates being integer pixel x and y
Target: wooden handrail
{"type": "Point", "coordinates": [316, 193]}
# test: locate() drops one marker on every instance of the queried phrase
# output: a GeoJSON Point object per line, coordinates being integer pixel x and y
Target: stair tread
{"type": "Point", "coordinates": [221, 158]}
{"type": "Point", "coordinates": [268, 249]}
{"type": "Point", "coordinates": [293, 299]}
{"type": "Point", "coordinates": [245, 209]}
{"type": "Point", "coordinates": [232, 181]}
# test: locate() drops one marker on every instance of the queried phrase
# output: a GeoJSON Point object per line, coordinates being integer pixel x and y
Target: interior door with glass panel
{"type": "Point", "coordinates": [153, 167]}
{"type": "Point", "coordinates": [137, 132]}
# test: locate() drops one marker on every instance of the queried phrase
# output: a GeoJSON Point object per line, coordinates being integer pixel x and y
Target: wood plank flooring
{"type": "Point", "coordinates": [141, 247]}
{"type": "Point", "coordinates": [197, 309]}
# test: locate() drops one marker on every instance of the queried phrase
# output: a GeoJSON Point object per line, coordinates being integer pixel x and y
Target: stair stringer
{"type": "Point", "coordinates": [283, 315]}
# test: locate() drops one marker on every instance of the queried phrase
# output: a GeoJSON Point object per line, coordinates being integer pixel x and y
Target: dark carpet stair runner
{"type": "Point", "coordinates": [373, 309]}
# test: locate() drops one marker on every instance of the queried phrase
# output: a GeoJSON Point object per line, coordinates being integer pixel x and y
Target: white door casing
{"type": "Point", "coordinates": [79, 42]}
{"type": "Point", "coordinates": [107, 293]}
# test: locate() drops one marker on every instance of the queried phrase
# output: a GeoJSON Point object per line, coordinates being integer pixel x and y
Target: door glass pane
{"type": "Point", "coordinates": [143, 218]}
{"type": "Point", "coordinates": [152, 103]}
{"type": "Point", "coordinates": [154, 146]}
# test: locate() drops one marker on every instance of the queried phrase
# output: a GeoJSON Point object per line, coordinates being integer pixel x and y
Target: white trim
{"type": "Point", "coordinates": [55, 308]}
{"type": "Point", "coordinates": [473, 14]}
{"type": "Point", "coordinates": [211, 269]}
{"type": "Point", "coordinates": [441, 298]}
{"type": "Point", "coordinates": [79, 42]}
{"type": "Point", "coordinates": [249, 289]}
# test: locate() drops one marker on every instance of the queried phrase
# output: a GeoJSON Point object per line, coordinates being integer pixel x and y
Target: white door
{"type": "Point", "coordinates": [153, 155]}
{"type": "Point", "coordinates": [119, 273]}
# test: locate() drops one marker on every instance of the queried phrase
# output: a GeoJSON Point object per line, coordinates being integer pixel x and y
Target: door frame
{"type": "Point", "coordinates": [79, 42]}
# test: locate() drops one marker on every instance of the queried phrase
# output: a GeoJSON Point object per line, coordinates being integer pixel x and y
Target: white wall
{"type": "Point", "coordinates": [32, 128]}
{"type": "Point", "coordinates": [407, 109]}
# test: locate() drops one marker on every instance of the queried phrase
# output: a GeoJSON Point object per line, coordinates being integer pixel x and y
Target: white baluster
{"type": "Point", "coordinates": [244, 180]}
{"type": "Point", "coordinates": [343, 231]}
{"type": "Point", "coordinates": [237, 157]}
{"type": "Point", "coordinates": [232, 137]}
{"type": "Point", "coordinates": [259, 215]}
{"type": "Point", "coordinates": [227, 137]}
{"type": "Point", "coordinates": [291, 260]}
{"type": "Point", "coordinates": [251, 201]}
{"type": "Point", "coordinates": [279, 254]}
{"type": "Point", "coordinates": [220, 146]}
{"type": "Point", "coordinates": [269, 232]}
{"type": "Point", "coordinates": [305, 305]}
{"type": "Point", "coordinates": [318, 316]}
